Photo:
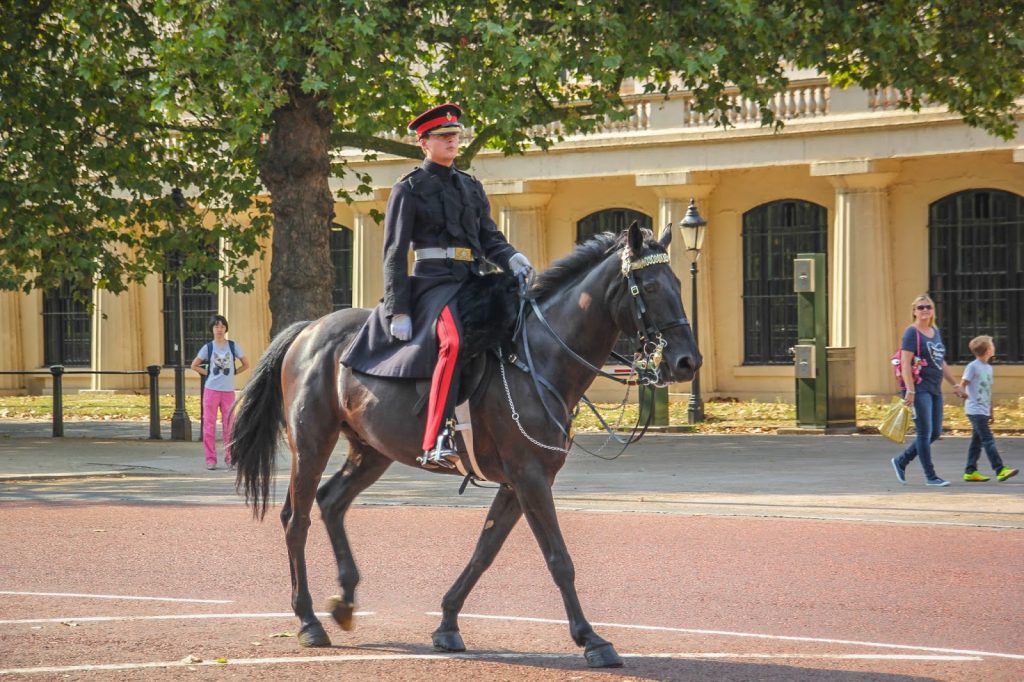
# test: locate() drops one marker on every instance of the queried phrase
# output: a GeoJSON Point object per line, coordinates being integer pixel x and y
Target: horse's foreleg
{"type": "Point", "coordinates": [363, 468]}
{"type": "Point", "coordinates": [502, 517]}
{"type": "Point", "coordinates": [534, 491]}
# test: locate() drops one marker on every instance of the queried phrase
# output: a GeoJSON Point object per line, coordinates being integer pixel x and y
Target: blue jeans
{"type": "Point", "coordinates": [981, 437]}
{"type": "Point", "coordinates": [928, 424]}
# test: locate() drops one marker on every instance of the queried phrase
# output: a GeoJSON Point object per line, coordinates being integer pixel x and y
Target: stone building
{"type": "Point", "coordinates": [900, 202]}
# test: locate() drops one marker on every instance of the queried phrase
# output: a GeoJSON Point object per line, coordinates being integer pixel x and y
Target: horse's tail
{"type": "Point", "coordinates": [257, 423]}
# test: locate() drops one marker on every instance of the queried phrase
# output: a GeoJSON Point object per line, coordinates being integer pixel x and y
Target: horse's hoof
{"type": "Point", "coordinates": [342, 612]}
{"type": "Point", "coordinates": [602, 656]}
{"type": "Point", "coordinates": [448, 641]}
{"type": "Point", "coordinates": [313, 635]}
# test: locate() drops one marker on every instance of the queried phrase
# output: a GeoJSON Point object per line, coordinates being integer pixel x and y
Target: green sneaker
{"type": "Point", "coordinates": [1005, 473]}
{"type": "Point", "coordinates": [975, 476]}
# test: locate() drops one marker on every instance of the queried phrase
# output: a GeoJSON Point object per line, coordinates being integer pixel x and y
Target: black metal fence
{"type": "Point", "coordinates": [58, 372]}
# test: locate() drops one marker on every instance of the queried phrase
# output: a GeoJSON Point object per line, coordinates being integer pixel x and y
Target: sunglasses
{"type": "Point", "coordinates": [924, 307]}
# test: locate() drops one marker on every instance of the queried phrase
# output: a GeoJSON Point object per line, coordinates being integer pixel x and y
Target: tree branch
{"type": "Point", "coordinates": [348, 138]}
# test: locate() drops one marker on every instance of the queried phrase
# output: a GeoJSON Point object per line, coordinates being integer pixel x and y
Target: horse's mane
{"type": "Point", "coordinates": [582, 260]}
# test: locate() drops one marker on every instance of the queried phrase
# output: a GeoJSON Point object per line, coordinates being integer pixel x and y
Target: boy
{"type": "Point", "coordinates": [977, 381]}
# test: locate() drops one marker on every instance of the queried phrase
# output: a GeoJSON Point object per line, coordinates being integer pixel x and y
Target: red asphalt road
{"type": "Point", "coordinates": [878, 587]}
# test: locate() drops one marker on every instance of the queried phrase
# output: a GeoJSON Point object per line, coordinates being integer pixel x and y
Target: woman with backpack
{"type": "Point", "coordinates": [217, 361]}
{"type": "Point", "coordinates": [923, 369]}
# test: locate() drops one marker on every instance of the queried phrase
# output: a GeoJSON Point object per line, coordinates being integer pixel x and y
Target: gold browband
{"type": "Point", "coordinates": [629, 266]}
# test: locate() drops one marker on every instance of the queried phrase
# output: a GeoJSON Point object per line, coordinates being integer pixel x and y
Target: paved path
{"type": "Point", "coordinates": [826, 477]}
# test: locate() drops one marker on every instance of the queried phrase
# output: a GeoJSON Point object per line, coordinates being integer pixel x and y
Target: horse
{"type": "Point", "coordinates": [608, 285]}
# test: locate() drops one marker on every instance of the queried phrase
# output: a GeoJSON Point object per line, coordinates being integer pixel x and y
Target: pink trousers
{"type": "Point", "coordinates": [212, 401]}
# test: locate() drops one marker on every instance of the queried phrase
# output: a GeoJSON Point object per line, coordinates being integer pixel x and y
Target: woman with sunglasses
{"type": "Point", "coordinates": [922, 351]}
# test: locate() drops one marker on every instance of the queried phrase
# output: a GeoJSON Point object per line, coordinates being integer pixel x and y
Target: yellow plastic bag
{"type": "Point", "coordinates": [897, 421]}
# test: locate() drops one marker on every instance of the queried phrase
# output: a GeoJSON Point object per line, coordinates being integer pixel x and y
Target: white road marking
{"type": "Point", "coordinates": [116, 596]}
{"type": "Point", "coordinates": [728, 633]}
{"type": "Point", "coordinates": [179, 616]}
{"type": "Point", "coordinates": [348, 658]}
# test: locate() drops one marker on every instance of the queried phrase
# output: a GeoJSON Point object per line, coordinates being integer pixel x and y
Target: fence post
{"type": "Point", "coordinates": [58, 400]}
{"type": "Point", "coordinates": [154, 401]}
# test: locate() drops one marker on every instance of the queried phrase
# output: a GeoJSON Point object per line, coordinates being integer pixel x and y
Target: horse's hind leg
{"type": "Point", "coordinates": [310, 452]}
{"type": "Point", "coordinates": [534, 491]}
{"type": "Point", "coordinates": [363, 467]}
{"type": "Point", "coordinates": [502, 517]}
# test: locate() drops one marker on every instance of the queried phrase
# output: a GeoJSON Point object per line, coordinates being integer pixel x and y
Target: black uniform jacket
{"type": "Point", "coordinates": [432, 206]}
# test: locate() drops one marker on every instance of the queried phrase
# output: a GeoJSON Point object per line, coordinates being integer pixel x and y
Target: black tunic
{"type": "Point", "coordinates": [432, 206]}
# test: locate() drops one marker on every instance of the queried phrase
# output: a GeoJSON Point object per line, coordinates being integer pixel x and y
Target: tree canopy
{"type": "Point", "coordinates": [129, 131]}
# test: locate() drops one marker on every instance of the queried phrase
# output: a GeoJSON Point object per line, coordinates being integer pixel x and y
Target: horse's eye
{"type": "Point", "coordinates": [650, 287]}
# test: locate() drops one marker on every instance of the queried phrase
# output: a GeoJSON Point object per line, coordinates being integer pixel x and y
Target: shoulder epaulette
{"type": "Point", "coordinates": [410, 174]}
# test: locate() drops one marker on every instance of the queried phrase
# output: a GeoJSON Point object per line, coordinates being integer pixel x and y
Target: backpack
{"type": "Point", "coordinates": [915, 370]}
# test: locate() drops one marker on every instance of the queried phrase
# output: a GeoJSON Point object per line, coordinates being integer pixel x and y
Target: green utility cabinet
{"type": "Point", "coordinates": [825, 378]}
{"type": "Point", "coordinates": [659, 417]}
{"type": "Point", "coordinates": [809, 354]}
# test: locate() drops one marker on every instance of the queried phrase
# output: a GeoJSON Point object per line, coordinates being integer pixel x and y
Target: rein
{"type": "Point", "coordinates": [645, 364]}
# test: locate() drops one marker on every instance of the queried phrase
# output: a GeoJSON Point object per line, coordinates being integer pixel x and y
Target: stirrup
{"type": "Point", "coordinates": [444, 455]}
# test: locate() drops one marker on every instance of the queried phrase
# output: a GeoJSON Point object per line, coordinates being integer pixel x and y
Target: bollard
{"type": "Point", "coordinates": [154, 401]}
{"type": "Point", "coordinates": [58, 400]}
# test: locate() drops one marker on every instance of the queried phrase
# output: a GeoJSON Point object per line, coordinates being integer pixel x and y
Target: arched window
{"type": "Point", "coordinates": [341, 261]}
{"type": "Point", "coordinates": [773, 234]}
{"type": "Point", "coordinates": [976, 270]}
{"type": "Point", "coordinates": [612, 220]}
{"type": "Point", "coordinates": [609, 220]}
{"type": "Point", "coordinates": [67, 327]}
{"type": "Point", "coordinates": [199, 304]}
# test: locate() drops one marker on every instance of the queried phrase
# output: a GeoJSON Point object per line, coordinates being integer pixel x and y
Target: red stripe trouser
{"type": "Point", "coordinates": [444, 376]}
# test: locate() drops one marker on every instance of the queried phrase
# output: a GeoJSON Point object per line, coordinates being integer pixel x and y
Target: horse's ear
{"type": "Point", "coordinates": [666, 236]}
{"type": "Point", "coordinates": [635, 239]}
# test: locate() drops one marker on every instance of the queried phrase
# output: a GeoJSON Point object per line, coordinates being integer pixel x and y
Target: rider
{"type": "Point", "coordinates": [415, 332]}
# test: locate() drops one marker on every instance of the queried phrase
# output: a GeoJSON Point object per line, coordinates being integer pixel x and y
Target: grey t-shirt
{"type": "Point", "coordinates": [978, 375]}
{"type": "Point", "coordinates": [222, 365]}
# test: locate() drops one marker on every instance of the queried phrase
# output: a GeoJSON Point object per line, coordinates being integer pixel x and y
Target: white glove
{"type": "Point", "coordinates": [401, 327]}
{"type": "Point", "coordinates": [520, 265]}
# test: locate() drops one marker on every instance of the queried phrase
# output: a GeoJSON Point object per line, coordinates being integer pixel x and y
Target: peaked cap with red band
{"type": "Point", "coordinates": [440, 119]}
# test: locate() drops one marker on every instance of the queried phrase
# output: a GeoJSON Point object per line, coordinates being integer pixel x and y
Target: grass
{"type": "Point", "coordinates": [722, 416]}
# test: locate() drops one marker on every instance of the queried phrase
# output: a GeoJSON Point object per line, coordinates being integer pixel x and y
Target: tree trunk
{"type": "Point", "coordinates": [296, 169]}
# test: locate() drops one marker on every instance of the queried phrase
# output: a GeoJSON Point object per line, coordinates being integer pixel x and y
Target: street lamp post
{"type": "Point", "coordinates": [181, 425]}
{"type": "Point", "coordinates": [693, 227]}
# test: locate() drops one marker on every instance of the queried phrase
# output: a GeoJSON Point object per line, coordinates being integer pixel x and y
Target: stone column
{"type": "Point", "coordinates": [11, 359]}
{"type": "Point", "coordinates": [520, 216]}
{"type": "Point", "coordinates": [367, 251]}
{"type": "Point", "coordinates": [116, 339]}
{"type": "Point", "coordinates": [674, 191]}
{"type": "Point", "coordinates": [861, 306]}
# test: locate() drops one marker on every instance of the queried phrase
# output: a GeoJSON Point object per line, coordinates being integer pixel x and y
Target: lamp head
{"type": "Point", "coordinates": [693, 227]}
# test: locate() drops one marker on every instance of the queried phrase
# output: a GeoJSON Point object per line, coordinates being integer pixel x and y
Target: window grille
{"type": "Point", "coordinates": [199, 304]}
{"type": "Point", "coordinates": [341, 260]}
{"type": "Point", "coordinates": [67, 327]}
{"type": "Point", "coordinates": [976, 271]}
{"type": "Point", "coordinates": [612, 220]}
{"type": "Point", "coordinates": [773, 234]}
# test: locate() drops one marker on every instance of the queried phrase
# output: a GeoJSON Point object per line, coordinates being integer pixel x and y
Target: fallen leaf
{"type": "Point", "coordinates": [191, 658]}
{"type": "Point", "coordinates": [283, 634]}
{"type": "Point", "coordinates": [69, 623]}
{"type": "Point", "coordinates": [222, 660]}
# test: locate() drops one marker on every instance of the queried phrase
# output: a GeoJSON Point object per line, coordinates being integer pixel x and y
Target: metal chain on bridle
{"type": "Point", "coordinates": [644, 367]}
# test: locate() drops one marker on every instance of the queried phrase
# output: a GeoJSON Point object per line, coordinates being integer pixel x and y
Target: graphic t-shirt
{"type": "Point", "coordinates": [221, 366]}
{"type": "Point", "coordinates": [934, 355]}
{"type": "Point", "coordinates": [978, 375]}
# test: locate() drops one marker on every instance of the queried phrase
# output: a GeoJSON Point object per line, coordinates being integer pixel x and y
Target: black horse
{"type": "Point", "coordinates": [606, 286]}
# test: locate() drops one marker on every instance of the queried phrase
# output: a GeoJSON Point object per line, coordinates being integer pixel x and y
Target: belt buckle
{"type": "Point", "coordinates": [463, 253]}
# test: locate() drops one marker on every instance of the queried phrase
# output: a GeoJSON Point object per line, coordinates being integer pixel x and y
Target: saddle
{"type": "Point", "coordinates": [488, 307]}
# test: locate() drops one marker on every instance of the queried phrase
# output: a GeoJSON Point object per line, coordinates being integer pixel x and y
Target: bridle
{"type": "Point", "coordinates": [645, 364]}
